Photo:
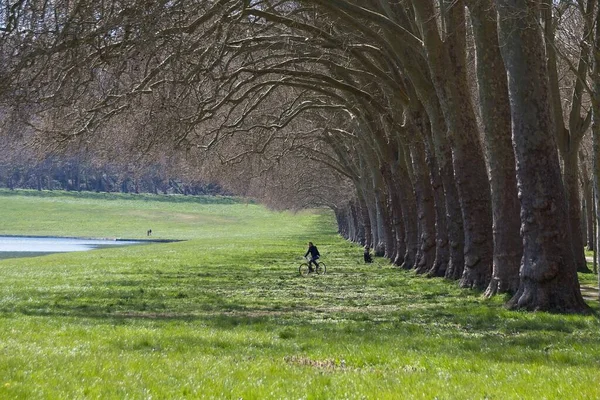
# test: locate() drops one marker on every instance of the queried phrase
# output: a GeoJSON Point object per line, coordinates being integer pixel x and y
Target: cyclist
{"type": "Point", "coordinates": [314, 256]}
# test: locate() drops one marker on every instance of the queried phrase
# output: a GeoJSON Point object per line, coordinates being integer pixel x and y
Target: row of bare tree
{"type": "Point", "coordinates": [445, 134]}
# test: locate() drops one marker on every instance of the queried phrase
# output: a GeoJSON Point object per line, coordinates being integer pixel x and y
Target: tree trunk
{"type": "Point", "coordinates": [596, 139]}
{"type": "Point", "coordinates": [496, 118]}
{"type": "Point", "coordinates": [370, 201]}
{"type": "Point", "coordinates": [359, 227]}
{"type": "Point", "coordinates": [369, 197]}
{"type": "Point", "coordinates": [448, 70]}
{"type": "Point", "coordinates": [425, 207]}
{"type": "Point", "coordinates": [443, 154]}
{"type": "Point", "coordinates": [399, 229]}
{"type": "Point", "coordinates": [548, 278]}
{"type": "Point", "coordinates": [569, 139]}
{"type": "Point", "coordinates": [383, 231]}
{"type": "Point", "coordinates": [571, 182]}
{"type": "Point", "coordinates": [409, 209]}
{"type": "Point", "coordinates": [390, 234]}
{"type": "Point", "coordinates": [366, 221]}
{"type": "Point", "coordinates": [442, 252]}
{"type": "Point", "coordinates": [349, 217]}
{"type": "Point", "coordinates": [396, 215]}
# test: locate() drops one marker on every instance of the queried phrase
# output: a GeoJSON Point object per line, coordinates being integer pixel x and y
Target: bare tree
{"type": "Point", "coordinates": [548, 272]}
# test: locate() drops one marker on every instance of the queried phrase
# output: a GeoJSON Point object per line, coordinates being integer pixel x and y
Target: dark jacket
{"type": "Point", "coordinates": [314, 252]}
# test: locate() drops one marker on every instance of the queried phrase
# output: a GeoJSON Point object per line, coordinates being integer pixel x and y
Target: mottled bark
{"type": "Point", "coordinates": [383, 219]}
{"type": "Point", "coordinates": [375, 199]}
{"type": "Point", "coordinates": [548, 277]}
{"type": "Point", "coordinates": [569, 138]}
{"type": "Point", "coordinates": [369, 197]}
{"type": "Point", "coordinates": [595, 95]}
{"type": "Point", "coordinates": [379, 161]}
{"type": "Point", "coordinates": [352, 222]}
{"type": "Point", "coordinates": [596, 153]}
{"type": "Point", "coordinates": [442, 251]}
{"type": "Point", "coordinates": [443, 153]}
{"type": "Point", "coordinates": [409, 209]}
{"type": "Point", "coordinates": [571, 182]}
{"type": "Point", "coordinates": [418, 72]}
{"type": "Point", "coordinates": [446, 62]}
{"type": "Point", "coordinates": [399, 246]}
{"type": "Point", "coordinates": [399, 229]}
{"type": "Point", "coordinates": [368, 192]}
{"type": "Point", "coordinates": [495, 114]}
{"type": "Point", "coordinates": [390, 244]}
{"type": "Point", "coordinates": [425, 207]}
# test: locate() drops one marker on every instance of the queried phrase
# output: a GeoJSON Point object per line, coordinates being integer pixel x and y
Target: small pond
{"type": "Point", "coordinates": [24, 246]}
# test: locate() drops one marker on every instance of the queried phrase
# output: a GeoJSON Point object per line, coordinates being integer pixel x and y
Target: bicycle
{"type": "Point", "coordinates": [304, 269]}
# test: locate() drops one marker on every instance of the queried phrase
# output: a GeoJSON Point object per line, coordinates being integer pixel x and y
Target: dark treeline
{"type": "Point", "coordinates": [55, 173]}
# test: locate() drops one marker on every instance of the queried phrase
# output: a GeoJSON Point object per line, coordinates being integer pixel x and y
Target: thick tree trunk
{"type": "Point", "coordinates": [360, 225]}
{"type": "Point", "coordinates": [448, 70]}
{"type": "Point", "coordinates": [569, 139]}
{"type": "Point", "coordinates": [383, 220]}
{"type": "Point", "coordinates": [390, 234]}
{"type": "Point", "coordinates": [571, 182]}
{"type": "Point", "coordinates": [409, 209]}
{"type": "Point", "coordinates": [367, 190]}
{"type": "Point", "coordinates": [443, 153]}
{"type": "Point", "coordinates": [548, 278]}
{"type": "Point", "coordinates": [425, 208]}
{"type": "Point", "coordinates": [397, 217]}
{"type": "Point", "coordinates": [380, 221]}
{"type": "Point", "coordinates": [377, 166]}
{"type": "Point", "coordinates": [495, 114]}
{"type": "Point", "coordinates": [399, 230]}
{"type": "Point", "coordinates": [341, 223]}
{"type": "Point", "coordinates": [352, 222]}
{"type": "Point", "coordinates": [442, 252]}
{"type": "Point", "coordinates": [596, 161]}
{"type": "Point", "coordinates": [596, 140]}
{"type": "Point", "coordinates": [374, 221]}
{"type": "Point", "coordinates": [419, 75]}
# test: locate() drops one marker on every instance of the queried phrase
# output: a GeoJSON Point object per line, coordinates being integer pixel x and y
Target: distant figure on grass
{"type": "Point", "coordinates": [149, 233]}
{"type": "Point", "coordinates": [314, 256]}
{"type": "Point", "coordinates": [367, 255]}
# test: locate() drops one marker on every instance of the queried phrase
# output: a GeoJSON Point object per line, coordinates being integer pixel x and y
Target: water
{"type": "Point", "coordinates": [16, 246]}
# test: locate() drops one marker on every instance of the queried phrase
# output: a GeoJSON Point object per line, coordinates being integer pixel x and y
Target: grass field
{"type": "Point", "coordinates": [225, 315]}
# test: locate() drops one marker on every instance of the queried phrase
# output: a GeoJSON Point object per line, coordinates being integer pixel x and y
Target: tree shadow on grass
{"type": "Point", "coordinates": [477, 337]}
{"type": "Point", "coordinates": [434, 319]}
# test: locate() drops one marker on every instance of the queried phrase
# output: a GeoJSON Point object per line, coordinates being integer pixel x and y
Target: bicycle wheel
{"type": "Point", "coordinates": [303, 269]}
{"type": "Point", "coordinates": [322, 268]}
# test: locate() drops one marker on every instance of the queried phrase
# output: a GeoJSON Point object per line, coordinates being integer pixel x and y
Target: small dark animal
{"type": "Point", "coordinates": [149, 232]}
{"type": "Point", "coordinates": [367, 256]}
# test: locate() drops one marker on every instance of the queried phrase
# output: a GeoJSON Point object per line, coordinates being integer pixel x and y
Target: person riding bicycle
{"type": "Point", "coordinates": [314, 256]}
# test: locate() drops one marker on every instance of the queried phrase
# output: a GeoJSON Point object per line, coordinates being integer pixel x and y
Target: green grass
{"type": "Point", "coordinates": [225, 314]}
